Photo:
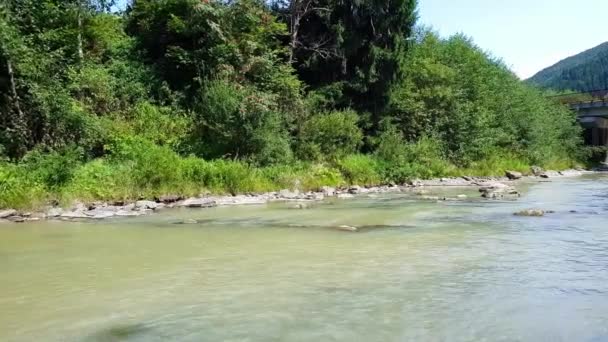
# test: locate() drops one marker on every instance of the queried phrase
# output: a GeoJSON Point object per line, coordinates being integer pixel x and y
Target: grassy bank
{"type": "Point", "coordinates": [62, 178]}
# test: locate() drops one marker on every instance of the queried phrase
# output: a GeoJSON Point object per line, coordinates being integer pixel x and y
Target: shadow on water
{"type": "Point", "coordinates": [120, 332]}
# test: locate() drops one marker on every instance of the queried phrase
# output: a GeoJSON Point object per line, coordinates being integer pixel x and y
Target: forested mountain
{"type": "Point", "coordinates": [186, 96]}
{"type": "Point", "coordinates": [584, 72]}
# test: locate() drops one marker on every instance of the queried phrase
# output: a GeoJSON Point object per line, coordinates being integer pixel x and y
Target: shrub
{"type": "Point", "coordinates": [17, 190]}
{"type": "Point", "coordinates": [330, 136]}
{"type": "Point", "coordinates": [360, 169]}
{"type": "Point", "coordinates": [52, 169]}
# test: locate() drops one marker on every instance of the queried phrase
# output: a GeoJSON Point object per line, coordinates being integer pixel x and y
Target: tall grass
{"type": "Point", "coordinates": [139, 170]}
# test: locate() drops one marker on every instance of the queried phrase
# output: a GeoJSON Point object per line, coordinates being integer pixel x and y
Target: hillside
{"type": "Point", "coordinates": [583, 72]}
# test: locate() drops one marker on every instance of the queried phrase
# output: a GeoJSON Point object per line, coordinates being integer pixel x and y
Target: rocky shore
{"type": "Point", "coordinates": [489, 188]}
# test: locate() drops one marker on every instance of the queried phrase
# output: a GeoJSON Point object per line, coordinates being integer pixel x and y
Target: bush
{"type": "Point", "coordinates": [360, 169]}
{"type": "Point", "coordinates": [52, 169]}
{"type": "Point", "coordinates": [330, 136]}
{"type": "Point", "coordinates": [17, 189]}
{"type": "Point", "coordinates": [239, 122]}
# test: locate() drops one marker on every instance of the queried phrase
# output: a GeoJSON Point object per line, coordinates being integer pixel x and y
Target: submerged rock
{"type": "Point", "coordinates": [549, 174]}
{"type": "Point", "coordinates": [300, 206]}
{"type": "Point", "coordinates": [187, 221]}
{"type": "Point", "coordinates": [531, 213]}
{"type": "Point", "coordinates": [16, 218]}
{"type": "Point", "coordinates": [571, 173]}
{"type": "Point", "coordinates": [346, 228]}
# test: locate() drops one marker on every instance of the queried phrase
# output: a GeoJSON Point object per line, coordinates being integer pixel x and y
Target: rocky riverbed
{"type": "Point", "coordinates": [489, 188]}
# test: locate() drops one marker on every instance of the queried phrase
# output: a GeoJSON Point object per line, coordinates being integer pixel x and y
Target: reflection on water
{"type": "Point", "coordinates": [463, 271]}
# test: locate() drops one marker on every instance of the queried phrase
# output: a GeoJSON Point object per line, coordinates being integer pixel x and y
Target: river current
{"type": "Point", "coordinates": [415, 271]}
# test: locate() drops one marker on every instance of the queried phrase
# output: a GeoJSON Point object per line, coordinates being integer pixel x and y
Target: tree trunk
{"type": "Point", "coordinates": [80, 49]}
{"type": "Point", "coordinates": [14, 94]}
{"type": "Point", "coordinates": [295, 27]}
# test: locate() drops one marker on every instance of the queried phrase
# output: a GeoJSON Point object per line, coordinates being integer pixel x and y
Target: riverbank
{"type": "Point", "coordinates": [489, 188]}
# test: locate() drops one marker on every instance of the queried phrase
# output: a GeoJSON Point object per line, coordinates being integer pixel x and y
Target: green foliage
{"type": "Point", "coordinates": [190, 96]}
{"type": "Point", "coordinates": [477, 107]}
{"type": "Point", "coordinates": [360, 169]}
{"type": "Point", "coordinates": [330, 136]}
{"type": "Point", "coordinates": [239, 122]}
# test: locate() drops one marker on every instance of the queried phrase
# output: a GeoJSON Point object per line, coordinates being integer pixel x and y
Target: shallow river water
{"type": "Point", "coordinates": [416, 271]}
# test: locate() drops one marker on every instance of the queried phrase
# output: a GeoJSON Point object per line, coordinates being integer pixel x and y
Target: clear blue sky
{"type": "Point", "coordinates": [528, 35]}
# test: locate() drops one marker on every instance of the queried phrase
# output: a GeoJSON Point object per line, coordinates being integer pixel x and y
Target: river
{"type": "Point", "coordinates": [416, 271]}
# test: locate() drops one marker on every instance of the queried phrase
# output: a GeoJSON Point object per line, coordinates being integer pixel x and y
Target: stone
{"type": "Point", "coordinates": [288, 194]}
{"type": "Point", "coordinates": [199, 203]}
{"type": "Point", "coordinates": [54, 212]}
{"type": "Point", "coordinates": [345, 196]}
{"type": "Point", "coordinates": [497, 190]}
{"type": "Point", "coordinates": [300, 206]}
{"type": "Point", "coordinates": [328, 191]}
{"type": "Point", "coordinates": [346, 228]}
{"type": "Point", "coordinates": [139, 205]}
{"type": "Point", "coordinates": [186, 221]}
{"type": "Point", "coordinates": [128, 213]}
{"type": "Point", "coordinates": [549, 174]}
{"type": "Point", "coordinates": [462, 196]}
{"type": "Point", "coordinates": [169, 199]}
{"type": "Point", "coordinates": [16, 218]}
{"type": "Point", "coordinates": [531, 213]}
{"type": "Point", "coordinates": [7, 213]}
{"type": "Point", "coordinates": [536, 170]}
{"type": "Point", "coordinates": [76, 214]}
{"type": "Point", "coordinates": [354, 189]}
{"type": "Point", "coordinates": [571, 173]}
{"type": "Point", "coordinates": [513, 175]}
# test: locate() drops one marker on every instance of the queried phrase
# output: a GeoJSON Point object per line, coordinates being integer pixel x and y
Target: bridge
{"type": "Point", "coordinates": [592, 110]}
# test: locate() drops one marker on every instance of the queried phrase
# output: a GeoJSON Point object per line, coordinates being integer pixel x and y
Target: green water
{"type": "Point", "coordinates": [417, 271]}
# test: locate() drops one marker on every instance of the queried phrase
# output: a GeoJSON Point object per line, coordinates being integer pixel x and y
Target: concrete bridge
{"type": "Point", "coordinates": [593, 116]}
{"type": "Point", "coordinates": [592, 110]}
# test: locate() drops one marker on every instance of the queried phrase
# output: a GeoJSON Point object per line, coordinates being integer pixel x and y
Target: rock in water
{"type": "Point", "coordinates": [497, 190]}
{"type": "Point", "coordinates": [513, 175]}
{"type": "Point", "coordinates": [531, 213]}
{"type": "Point", "coordinates": [199, 203]}
{"type": "Point", "coordinates": [536, 170]}
{"type": "Point", "coordinates": [139, 205]}
{"type": "Point", "coordinates": [54, 212]}
{"type": "Point", "coordinates": [328, 191]}
{"type": "Point", "coordinates": [167, 199]}
{"type": "Point", "coordinates": [288, 194]}
{"type": "Point", "coordinates": [549, 174]}
{"type": "Point", "coordinates": [346, 228]}
{"type": "Point", "coordinates": [7, 213]}
{"type": "Point", "coordinates": [355, 189]}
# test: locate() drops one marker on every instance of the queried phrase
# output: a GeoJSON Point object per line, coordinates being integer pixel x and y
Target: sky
{"type": "Point", "coordinates": [528, 35]}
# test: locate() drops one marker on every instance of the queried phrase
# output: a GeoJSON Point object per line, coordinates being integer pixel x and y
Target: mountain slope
{"type": "Point", "coordinates": [586, 71]}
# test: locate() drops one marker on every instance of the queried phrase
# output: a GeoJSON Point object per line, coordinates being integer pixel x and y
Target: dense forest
{"type": "Point", "coordinates": [585, 72]}
{"type": "Point", "coordinates": [189, 96]}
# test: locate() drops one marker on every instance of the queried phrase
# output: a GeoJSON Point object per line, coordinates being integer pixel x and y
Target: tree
{"type": "Point", "coordinates": [357, 43]}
